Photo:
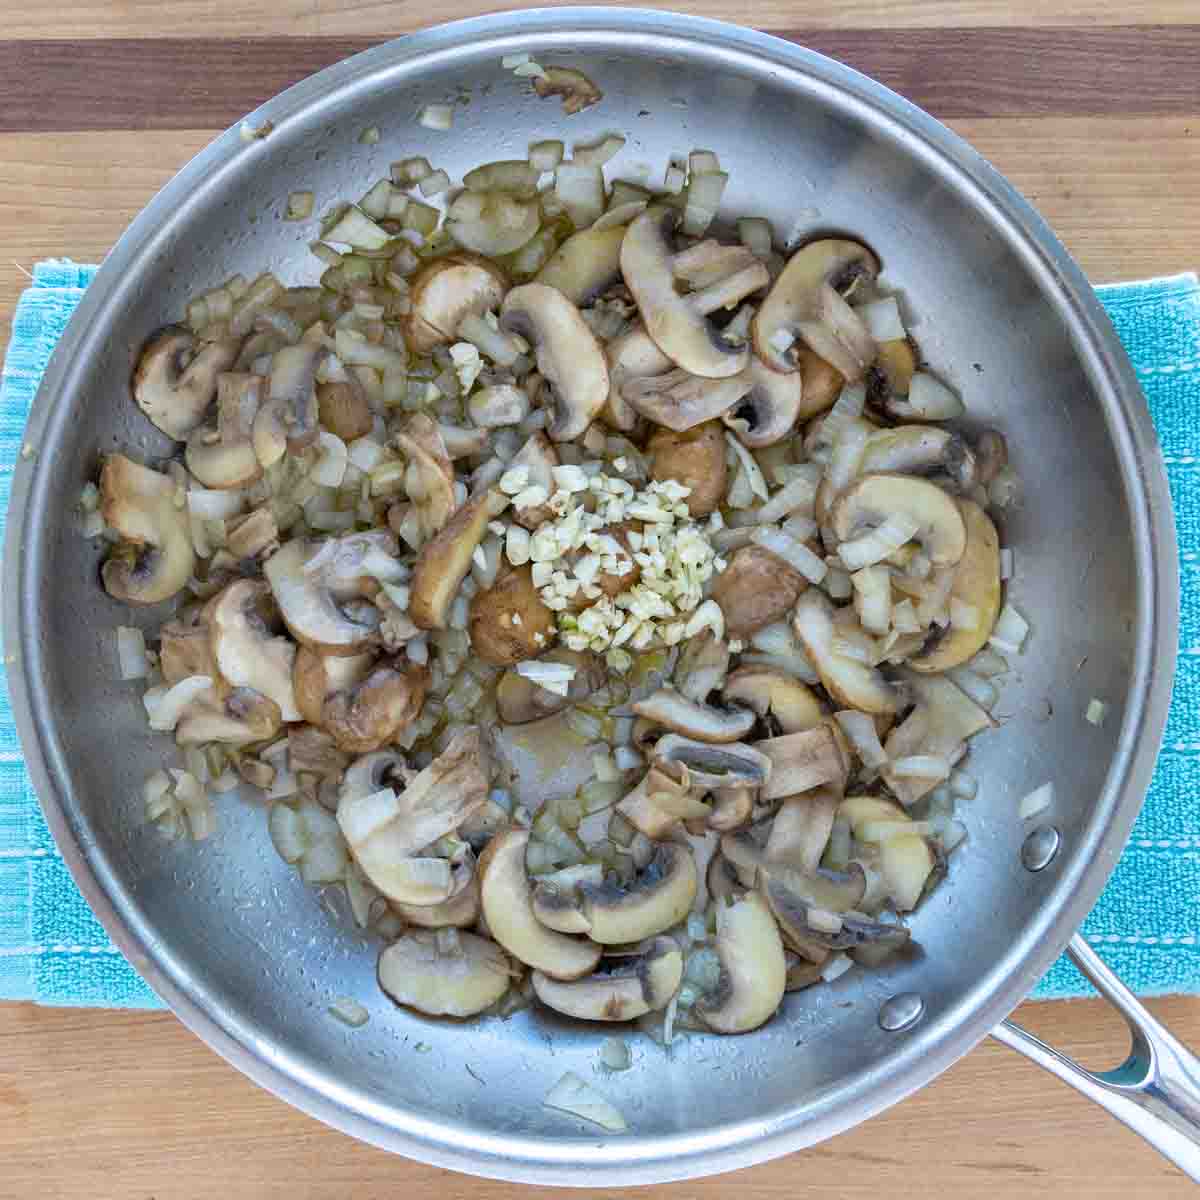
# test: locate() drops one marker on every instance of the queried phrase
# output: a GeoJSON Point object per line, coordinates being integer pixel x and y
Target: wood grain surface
{"type": "Point", "coordinates": [1091, 108]}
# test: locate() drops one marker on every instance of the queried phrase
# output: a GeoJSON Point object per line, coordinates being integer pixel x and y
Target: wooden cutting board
{"type": "Point", "coordinates": [1092, 108]}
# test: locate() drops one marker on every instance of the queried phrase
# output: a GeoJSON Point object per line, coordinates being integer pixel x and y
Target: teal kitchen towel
{"type": "Point", "coordinates": [1146, 924]}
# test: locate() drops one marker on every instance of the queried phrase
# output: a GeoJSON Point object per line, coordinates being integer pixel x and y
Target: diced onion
{"type": "Point", "coordinates": [929, 399]}
{"type": "Point", "coordinates": [597, 155]}
{"type": "Point", "coordinates": [332, 456]}
{"type": "Point", "coordinates": [860, 728]}
{"type": "Point", "coordinates": [614, 1054]}
{"type": "Point", "coordinates": [822, 920]}
{"type": "Point", "coordinates": [796, 554]}
{"type": "Point", "coordinates": [436, 116]}
{"type": "Point", "coordinates": [878, 543]}
{"type": "Point", "coordinates": [355, 228]}
{"type": "Point", "coordinates": [131, 653]}
{"type": "Point", "coordinates": [835, 967]}
{"type": "Point", "coordinates": [580, 187]}
{"type": "Point", "coordinates": [349, 1012]}
{"type": "Point", "coordinates": [756, 235]}
{"type": "Point", "coordinates": [921, 766]}
{"type": "Point", "coordinates": [572, 1095]}
{"type": "Point", "coordinates": [882, 319]}
{"type": "Point", "coordinates": [703, 199]}
{"type": "Point", "coordinates": [1036, 802]}
{"type": "Point", "coordinates": [299, 206]}
{"type": "Point", "coordinates": [750, 468]}
{"type": "Point", "coordinates": [214, 505]}
{"type": "Point", "coordinates": [1010, 631]}
{"type": "Point", "coordinates": [797, 495]}
{"type": "Point", "coordinates": [1097, 710]}
{"type": "Point", "coordinates": [1006, 563]}
{"type": "Point", "coordinates": [554, 677]}
{"type": "Point", "coordinates": [980, 689]}
{"type": "Point", "coordinates": [164, 706]}
{"type": "Point", "coordinates": [963, 786]}
{"type": "Point", "coordinates": [545, 156]}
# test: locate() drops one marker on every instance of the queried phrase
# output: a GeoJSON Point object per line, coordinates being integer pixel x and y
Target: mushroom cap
{"type": "Point", "coordinates": [586, 265]}
{"type": "Point", "coordinates": [520, 700]}
{"type": "Point", "coordinates": [768, 412]}
{"type": "Point", "coordinates": [460, 911]}
{"type": "Point", "coordinates": [800, 302]}
{"type": "Point", "coordinates": [506, 620]}
{"type": "Point", "coordinates": [444, 291]}
{"type": "Point", "coordinates": [246, 651]}
{"type": "Point", "coordinates": [675, 322]}
{"type": "Point", "coordinates": [506, 898]}
{"type": "Point", "coordinates": [871, 499]}
{"type": "Point", "coordinates": [615, 912]}
{"type": "Point", "coordinates": [576, 89]}
{"type": "Point", "coordinates": [918, 450]}
{"type": "Point", "coordinates": [568, 355]}
{"type": "Point", "coordinates": [176, 378]}
{"type": "Point", "coordinates": [378, 708]}
{"type": "Point", "coordinates": [694, 458]}
{"type": "Point", "coordinates": [777, 698]}
{"type": "Point", "coordinates": [157, 557]}
{"type": "Point", "coordinates": [702, 722]}
{"type": "Point", "coordinates": [218, 464]}
{"type": "Point", "coordinates": [851, 683]}
{"type": "Point", "coordinates": [631, 988]}
{"type": "Point", "coordinates": [444, 562]}
{"type": "Point", "coordinates": [753, 970]}
{"type": "Point", "coordinates": [977, 585]}
{"type": "Point", "coordinates": [308, 604]}
{"type": "Point", "coordinates": [344, 410]}
{"type": "Point", "coordinates": [755, 589]}
{"type": "Point", "coordinates": [316, 677]}
{"type": "Point", "coordinates": [416, 974]}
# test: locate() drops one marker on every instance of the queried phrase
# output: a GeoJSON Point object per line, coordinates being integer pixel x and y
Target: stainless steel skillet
{"type": "Point", "coordinates": [249, 958]}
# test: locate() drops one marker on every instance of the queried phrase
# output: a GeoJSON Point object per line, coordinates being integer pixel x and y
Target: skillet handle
{"type": "Point", "coordinates": [1156, 1091]}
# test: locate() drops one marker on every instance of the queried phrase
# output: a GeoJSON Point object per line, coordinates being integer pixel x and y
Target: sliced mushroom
{"type": "Point", "coordinates": [586, 265]}
{"type": "Point", "coordinates": [680, 401]}
{"type": "Point", "coordinates": [155, 557]}
{"type": "Point", "coordinates": [459, 978]}
{"type": "Point", "coordinates": [372, 772]}
{"type": "Point", "coordinates": [821, 383]}
{"type": "Point", "coordinates": [255, 535]}
{"type": "Point", "coordinates": [905, 859]}
{"type": "Point", "coordinates": [460, 911]}
{"type": "Point", "coordinates": [444, 291]}
{"type": "Point", "coordinates": [377, 708]}
{"type": "Point", "coordinates": [222, 455]}
{"type": "Point", "coordinates": [702, 722]}
{"type": "Point", "coordinates": [919, 450]}
{"type": "Point", "coordinates": [312, 751]}
{"type": "Point", "coordinates": [506, 898]}
{"type": "Point", "coordinates": [713, 767]}
{"type": "Point", "coordinates": [871, 499]}
{"type": "Point", "coordinates": [768, 412]}
{"type": "Point", "coordinates": [429, 479]}
{"type": "Point", "coordinates": [318, 677]}
{"type": "Point", "coordinates": [568, 355]}
{"type": "Point", "coordinates": [497, 405]}
{"type": "Point", "coordinates": [891, 376]}
{"type": "Point", "coordinates": [801, 829]}
{"type": "Point", "coordinates": [247, 651]}
{"type": "Point", "coordinates": [803, 921]}
{"type": "Point", "coordinates": [233, 716]}
{"type": "Point", "coordinates": [781, 701]}
{"type": "Point", "coordinates": [539, 456]}
{"type": "Point", "coordinates": [722, 879]}
{"type": "Point", "coordinates": [176, 378]}
{"type": "Point", "coordinates": [694, 458]}
{"type": "Point", "coordinates": [976, 588]}
{"type": "Point", "coordinates": [344, 409]}
{"type": "Point", "coordinates": [576, 89]}
{"type": "Point", "coordinates": [659, 802]}
{"type": "Point", "coordinates": [444, 562]}
{"type": "Point", "coordinates": [851, 683]}
{"type": "Point", "coordinates": [289, 418]}
{"type": "Point", "coordinates": [632, 355]}
{"type": "Point", "coordinates": [520, 700]}
{"type": "Point", "coordinates": [385, 830]}
{"type": "Point", "coordinates": [756, 589]}
{"type": "Point", "coordinates": [702, 666]}
{"type": "Point", "coordinates": [807, 301]}
{"type": "Point", "coordinates": [508, 622]}
{"type": "Point", "coordinates": [753, 972]}
{"type": "Point", "coordinates": [732, 808]}
{"type": "Point", "coordinates": [315, 585]}
{"type": "Point", "coordinates": [678, 323]}
{"type": "Point", "coordinates": [802, 761]}
{"type": "Point", "coordinates": [630, 987]}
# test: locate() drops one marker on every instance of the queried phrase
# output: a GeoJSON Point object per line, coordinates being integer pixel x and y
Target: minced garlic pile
{"type": "Point", "coordinates": [570, 551]}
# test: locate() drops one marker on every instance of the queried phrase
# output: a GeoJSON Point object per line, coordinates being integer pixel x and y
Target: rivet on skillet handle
{"type": "Point", "coordinates": [1156, 1091]}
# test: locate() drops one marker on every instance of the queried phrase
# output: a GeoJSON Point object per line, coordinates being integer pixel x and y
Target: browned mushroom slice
{"type": "Point", "coordinates": [802, 761]}
{"type": "Point", "coordinates": [429, 479]}
{"type": "Point", "coordinates": [694, 458]}
{"type": "Point", "coordinates": [344, 409]}
{"type": "Point", "coordinates": [586, 265]}
{"type": "Point", "coordinates": [576, 89]}
{"type": "Point", "coordinates": [176, 378]}
{"type": "Point", "coordinates": [317, 677]}
{"type": "Point", "coordinates": [506, 897]}
{"type": "Point", "coordinates": [753, 972]}
{"type": "Point", "coordinates": [713, 767]}
{"type": "Point", "coordinates": [156, 557]}
{"type": "Point", "coordinates": [677, 322]}
{"type": "Point", "coordinates": [508, 622]}
{"type": "Point", "coordinates": [568, 356]}
{"type": "Point", "coordinates": [625, 988]}
{"type": "Point", "coordinates": [702, 666]}
{"type": "Point", "coordinates": [378, 708]}
{"type": "Point", "coordinates": [702, 722]}
{"type": "Point", "coordinates": [616, 912]}
{"type": "Point", "coordinates": [222, 455]}
{"type": "Point", "coordinates": [446, 290]}
{"type": "Point", "coordinates": [756, 589]}
{"type": "Point", "coordinates": [807, 302]}
{"type": "Point", "coordinates": [444, 977]}
{"type": "Point", "coordinates": [444, 562]}
{"type": "Point", "coordinates": [781, 701]}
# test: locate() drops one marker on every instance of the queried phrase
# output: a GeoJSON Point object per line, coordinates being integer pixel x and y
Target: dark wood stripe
{"type": "Point", "coordinates": [207, 83]}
